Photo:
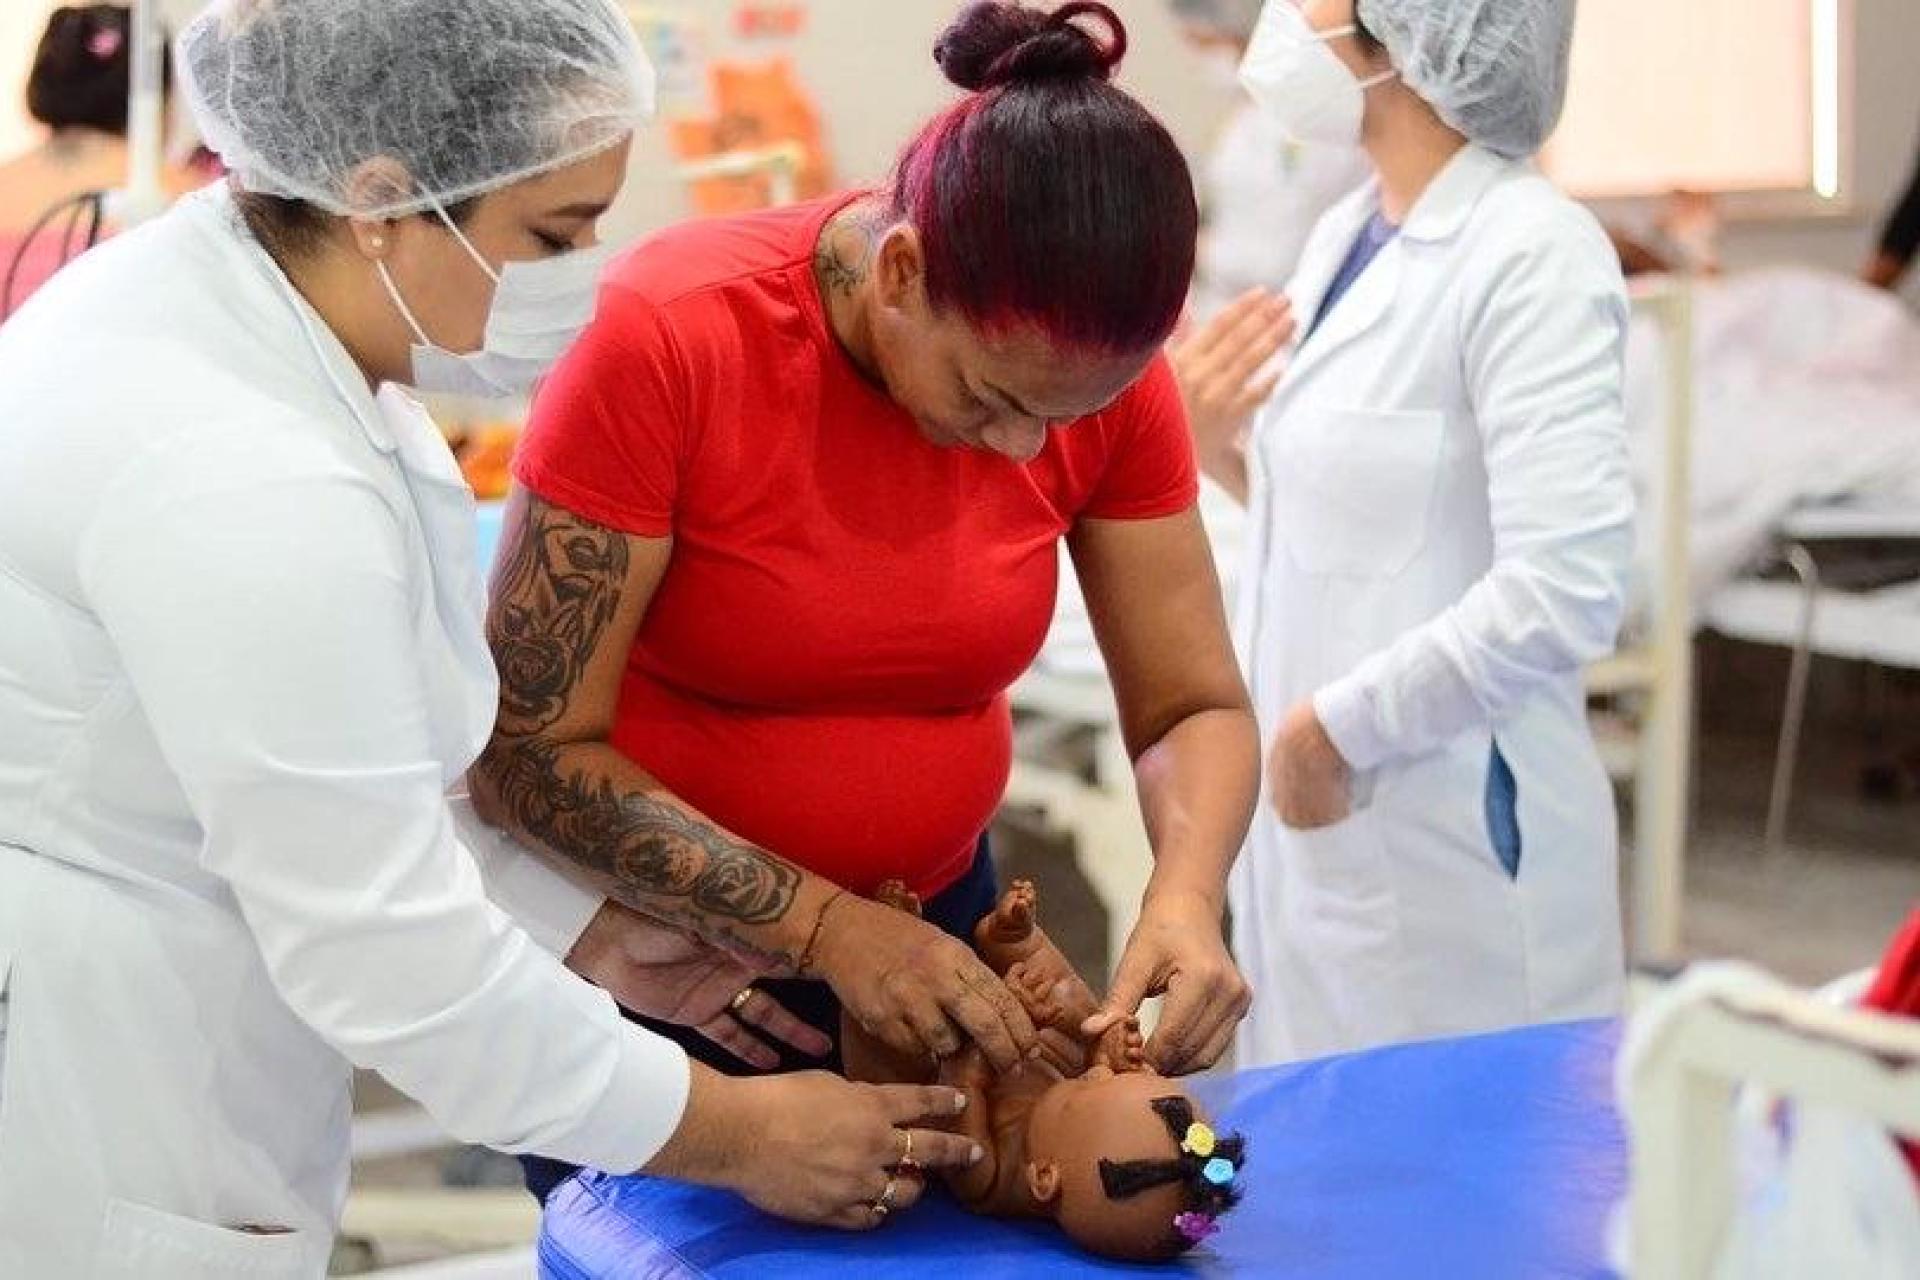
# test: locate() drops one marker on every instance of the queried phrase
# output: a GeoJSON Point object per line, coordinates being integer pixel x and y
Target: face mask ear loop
{"type": "Point", "coordinates": [400, 304]}
{"type": "Point", "coordinates": [1327, 37]}
{"type": "Point", "coordinates": [465, 243]}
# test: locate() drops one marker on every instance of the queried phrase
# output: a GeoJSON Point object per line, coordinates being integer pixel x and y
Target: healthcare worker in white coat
{"type": "Point", "coordinates": [1439, 537]}
{"type": "Point", "coordinates": [241, 662]}
{"type": "Point", "coordinates": [1261, 190]}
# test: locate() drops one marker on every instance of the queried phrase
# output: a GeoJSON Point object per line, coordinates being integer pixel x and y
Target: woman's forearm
{"type": "Point", "coordinates": [585, 802]}
{"type": "Point", "coordinates": [1198, 785]}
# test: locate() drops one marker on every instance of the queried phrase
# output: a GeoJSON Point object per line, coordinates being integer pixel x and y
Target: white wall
{"type": "Point", "coordinates": [871, 64]}
{"type": "Point", "coordinates": [1886, 142]}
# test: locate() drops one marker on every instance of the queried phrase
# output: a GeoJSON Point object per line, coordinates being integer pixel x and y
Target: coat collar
{"type": "Point", "coordinates": [1455, 192]}
{"type": "Point", "coordinates": [306, 327]}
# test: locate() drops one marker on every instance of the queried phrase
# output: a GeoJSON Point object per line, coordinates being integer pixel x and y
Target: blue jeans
{"type": "Point", "coordinates": [956, 910]}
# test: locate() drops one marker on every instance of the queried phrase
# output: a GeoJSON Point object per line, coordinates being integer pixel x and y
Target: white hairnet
{"type": "Point", "coordinates": [1496, 70]}
{"type": "Point", "coordinates": [454, 97]}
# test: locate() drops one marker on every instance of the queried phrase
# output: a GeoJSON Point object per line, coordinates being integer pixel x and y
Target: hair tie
{"type": "Point", "coordinates": [106, 42]}
{"type": "Point", "coordinates": [1194, 1226]}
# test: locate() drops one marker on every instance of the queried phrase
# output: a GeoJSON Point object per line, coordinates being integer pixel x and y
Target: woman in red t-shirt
{"type": "Point", "coordinates": [788, 531]}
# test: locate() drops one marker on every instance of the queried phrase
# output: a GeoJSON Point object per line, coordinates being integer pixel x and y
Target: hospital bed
{"type": "Point", "coordinates": [1805, 477]}
{"type": "Point", "coordinates": [1852, 591]}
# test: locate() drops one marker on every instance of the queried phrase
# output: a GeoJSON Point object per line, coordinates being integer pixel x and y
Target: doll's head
{"type": "Point", "coordinates": [1128, 1167]}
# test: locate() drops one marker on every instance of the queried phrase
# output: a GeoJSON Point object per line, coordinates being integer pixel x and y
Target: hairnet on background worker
{"type": "Point", "coordinates": [1496, 70]}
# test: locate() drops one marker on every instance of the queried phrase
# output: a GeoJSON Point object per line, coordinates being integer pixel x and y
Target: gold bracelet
{"type": "Point", "coordinates": [813, 939]}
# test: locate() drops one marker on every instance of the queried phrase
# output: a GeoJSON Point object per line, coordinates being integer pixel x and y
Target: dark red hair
{"type": "Point", "coordinates": [1048, 197]}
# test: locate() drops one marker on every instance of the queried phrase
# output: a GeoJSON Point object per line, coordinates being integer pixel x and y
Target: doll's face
{"type": "Point", "coordinates": [1103, 1116]}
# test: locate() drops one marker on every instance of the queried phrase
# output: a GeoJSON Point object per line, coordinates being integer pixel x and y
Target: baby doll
{"type": "Point", "coordinates": [1087, 1134]}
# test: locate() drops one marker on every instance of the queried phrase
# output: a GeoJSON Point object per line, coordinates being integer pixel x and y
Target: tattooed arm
{"type": "Point", "coordinates": [568, 598]}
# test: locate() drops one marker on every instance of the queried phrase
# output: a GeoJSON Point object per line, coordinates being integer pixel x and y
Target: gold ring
{"type": "Point", "coordinates": [884, 1205]}
{"type": "Point", "coordinates": [740, 1001]}
{"type": "Point", "coordinates": [906, 1156]}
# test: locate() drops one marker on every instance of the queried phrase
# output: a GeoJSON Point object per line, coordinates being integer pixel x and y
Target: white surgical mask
{"type": "Point", "coordinates": [539, 309]}
{"type": "Point", "coordinates": [1301, 83]}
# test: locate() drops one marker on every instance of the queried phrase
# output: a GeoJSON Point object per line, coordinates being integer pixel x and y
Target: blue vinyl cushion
{"type": "Point", "coordinates": [1491, 1158]}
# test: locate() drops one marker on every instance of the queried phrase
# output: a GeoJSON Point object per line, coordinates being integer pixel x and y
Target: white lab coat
{"type": "Point", "coordinates": [241, 661]}
{"type": "Point", "coordinates": [1439, 534]}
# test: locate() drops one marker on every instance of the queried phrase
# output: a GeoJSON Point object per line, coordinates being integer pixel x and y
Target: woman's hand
{"type": "Point", "coordinates": [813, 1148]}
{"type": "Point", "coordinates": [915, 988]}
{"type": "Point", "coordinates": [1178, 950]}
{"type": "Point", "coordinates": [1310, 785]}
{"type": "Point", "coordinates": [1218, 366]}
{"type": "Point", "coordinates": [656, 970]}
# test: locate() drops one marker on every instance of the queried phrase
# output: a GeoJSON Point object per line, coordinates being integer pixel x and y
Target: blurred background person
{"type": "Point", "coordinates": [78, 91]}
{"type": "Point", "coordinates": [1899, 240]}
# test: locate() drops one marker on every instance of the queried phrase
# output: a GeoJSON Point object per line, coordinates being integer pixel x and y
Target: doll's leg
{"type": "Point", "coordinates": [1012, 936]}
{"type": "Point", "coordinates": [1009, 935]}
{"type": "Point", "coordinates": [1122, 1048]}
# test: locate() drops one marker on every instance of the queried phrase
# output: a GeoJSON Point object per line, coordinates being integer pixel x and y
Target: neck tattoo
{"type": "Point", "coordinates": [844, 256]}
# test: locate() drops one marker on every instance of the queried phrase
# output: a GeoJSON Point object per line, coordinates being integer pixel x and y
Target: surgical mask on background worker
{"type": "Point", "coordinates": [1300, 83]}
{"type": "Point", "coordinates": [538, 310]}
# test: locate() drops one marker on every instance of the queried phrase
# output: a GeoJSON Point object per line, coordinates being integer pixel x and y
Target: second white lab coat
{"type": "Point", "coordinates": [241, 662]}
{"type": "Point", "coordinates": [1439, 535]}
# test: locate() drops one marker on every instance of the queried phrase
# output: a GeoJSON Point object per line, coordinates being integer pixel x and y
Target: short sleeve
{"type": "Point", "coordinates": [1150, 470]}
{"type": "Point", "coordinates": [608, 435]}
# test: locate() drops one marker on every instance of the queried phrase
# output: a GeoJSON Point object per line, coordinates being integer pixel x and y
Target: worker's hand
{"type": "Point", "coordinates": [1309, 783]}
{"type": "Point", "coordinates": [655, 970]}
{"type": "Point", "coordinates": [1178, 949]}
{"type": "Point", "coordinates": [919, 990]}
{"type": "Point", "coordinates": [814, 1148]}
{"type": "Point", "coordinates": [1218, 366]}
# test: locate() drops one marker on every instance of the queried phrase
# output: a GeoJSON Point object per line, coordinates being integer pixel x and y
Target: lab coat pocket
{"type": "Point", "coordinates": [136, 1241]}
{"type": "Point", "coordinates": [1356, 487]}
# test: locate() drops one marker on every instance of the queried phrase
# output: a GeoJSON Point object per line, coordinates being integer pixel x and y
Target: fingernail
{"type": "Point", "coordinates": [959, 1103]}
{"type": "Point", "coordinates": [974, 1154]}
{"type": "Point", "coordinates": [1033, 1054]}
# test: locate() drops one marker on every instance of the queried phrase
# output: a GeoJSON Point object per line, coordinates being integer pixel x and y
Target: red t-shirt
{"type": "Point", "coordinates": [823, 669]}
